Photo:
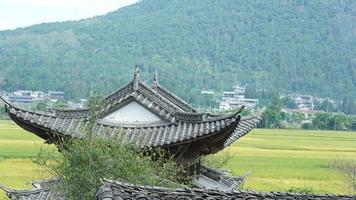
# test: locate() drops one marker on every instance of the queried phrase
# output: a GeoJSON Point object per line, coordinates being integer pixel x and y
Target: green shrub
{"type": "Point", "coordinates": [83, 164]}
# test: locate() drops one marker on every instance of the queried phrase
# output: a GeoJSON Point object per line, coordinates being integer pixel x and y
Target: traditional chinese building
{"type": "Point", "coordinates": [146, 116]}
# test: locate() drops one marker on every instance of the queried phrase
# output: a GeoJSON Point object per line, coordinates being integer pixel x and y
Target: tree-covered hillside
{"type": "Point", "coordinates": [280, 45]}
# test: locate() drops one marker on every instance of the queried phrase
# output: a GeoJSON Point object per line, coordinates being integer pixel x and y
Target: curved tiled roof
{"type": "Point", "coordinates": [180, 123]}
{"type": "Point", "coordinates": [32, 194]}
{"type": "Point", "coordinates": [148, 135]}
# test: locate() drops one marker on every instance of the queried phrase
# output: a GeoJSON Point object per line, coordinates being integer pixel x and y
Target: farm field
{"type": "Point", "coordinates": [17, 149]}
{"type": "Point", "coordinates": [282, 159]}
{"type": "Point", "coordinates": [278, 159]}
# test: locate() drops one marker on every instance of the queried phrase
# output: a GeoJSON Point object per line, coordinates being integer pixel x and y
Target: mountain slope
{"type": "Point", "coordinates": [285, 46]}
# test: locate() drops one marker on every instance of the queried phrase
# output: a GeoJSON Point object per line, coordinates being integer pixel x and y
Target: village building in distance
{"type": "Point", "coordinates": [234, 99]}
{"type": "Point", "coordinates": [302, 101]}
{"type": "Point", "coordinates": [29, 96]}
{"type": "Point", "coordinates": [303, 105]}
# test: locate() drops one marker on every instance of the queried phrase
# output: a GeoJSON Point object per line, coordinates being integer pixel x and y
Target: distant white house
{"type": "Point", "coordinates": [20, 99]}
{"type": "Point", "coordinates": [76, 105]}
{"type": "Point", "coordinates": [208, 92]}
{"type": "Point", "coordinates": [236, 98]}
{"type": "Point", "coordinates": [21, 96]}
{"type": "Point", "coordinates": [302, 101]}
{"type": "Point", "coordinates": [24, 93]}
{"type": "Point", "coordinates": [38, 95]}
{"type": "Point", "coordinates": [55, 95]}
{"type": "Point", "coordinates": [28, 96]}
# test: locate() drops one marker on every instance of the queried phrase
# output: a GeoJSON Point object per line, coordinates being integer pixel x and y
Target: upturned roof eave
{"type": "Point", "coordinates": [25, 117]}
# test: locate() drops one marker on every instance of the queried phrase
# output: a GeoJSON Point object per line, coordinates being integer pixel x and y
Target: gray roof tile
{"type": "Point", "coordinates": [114, 190]}
{"type": "Point", "coordinates": [176, 132]}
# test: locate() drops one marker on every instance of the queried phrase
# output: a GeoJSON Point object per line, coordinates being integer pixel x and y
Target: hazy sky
{"type": "Point", "coordinates": [21, 13]}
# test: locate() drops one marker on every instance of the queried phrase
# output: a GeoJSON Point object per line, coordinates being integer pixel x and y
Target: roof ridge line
{"type": "Point", "coordinates": [232, 115]}
{"type": "Point", "coordinates": [23, 191]}
{"type": "Point", "coordinates": [11, 105]}
{"type": "Point", "coordinates": [4, 100]}
{"type": "Point", "coordinates": [110, 181]}
{"type": "Point", "coordinates": [157, 94]}
{"type": "Point", "coordinates": [175, 96]}
{"type": "Point", "coordinates": [117, 90]}
{"type": "Point", "coordinates": [4, 188]}
{"type": "Point", "coordinates": [44, 180]}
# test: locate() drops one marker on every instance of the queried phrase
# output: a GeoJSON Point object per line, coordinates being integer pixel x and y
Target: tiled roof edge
{"type": "Point", "coordinates": [131, 190]}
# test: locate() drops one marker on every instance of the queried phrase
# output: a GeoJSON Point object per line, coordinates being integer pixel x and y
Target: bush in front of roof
{"type": "Point", "coordinates": [83, 164]}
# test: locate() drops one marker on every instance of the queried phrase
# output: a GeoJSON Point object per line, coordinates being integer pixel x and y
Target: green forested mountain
{"type": "Point", "coordinates": [280, 45]}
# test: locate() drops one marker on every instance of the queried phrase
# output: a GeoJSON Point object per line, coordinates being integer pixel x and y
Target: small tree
{"type": "Point", "coordinates": [271, 117]}
{"type": "Point", "coordinates": [353, 125]}
{"type": "Point", "coordinates": [297, 117]}
{"type": "Point", "coordinates": [328, 121]}
{"type": "Point", "coordinates": [321, 121]}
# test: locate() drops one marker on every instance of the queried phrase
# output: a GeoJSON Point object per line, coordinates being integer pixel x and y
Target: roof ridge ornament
{"type": "Point", "coordinates": [155, 81]}
{"type": "Point", "coordinates": [136, 78]}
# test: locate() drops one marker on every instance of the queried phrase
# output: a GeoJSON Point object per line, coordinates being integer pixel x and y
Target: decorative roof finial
{"type": "Point", "coordinates": [155, 80]}
{"type": "Point", "coordinates": [155, 77]}
{"type": "Point", "coordinates": [136, 77]}
{"type": "Point", "coordinates": [136, 72]}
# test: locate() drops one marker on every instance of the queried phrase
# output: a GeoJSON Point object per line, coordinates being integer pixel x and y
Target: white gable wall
{"type": "Point", "coordinates": [132, 113]}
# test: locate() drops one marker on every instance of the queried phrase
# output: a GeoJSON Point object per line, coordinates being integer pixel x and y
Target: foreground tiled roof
{"type": "Point", "coordinates": [114, 190]}
{"type": "Point", "coordinates": [48, 183]}
{"type": "Point", "coordinates": [209, 178]}
{"type": "Point", "coordinates": [31, 194]}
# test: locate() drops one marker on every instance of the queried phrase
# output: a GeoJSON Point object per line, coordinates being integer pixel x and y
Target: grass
{"type": "Point", "coordinates": [278, 159]}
